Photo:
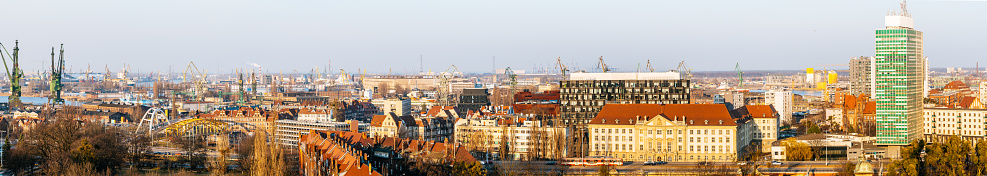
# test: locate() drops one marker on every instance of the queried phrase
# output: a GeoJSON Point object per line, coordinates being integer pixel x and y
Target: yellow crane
{"type": "Point", "coordinates": [562, 68]}
{"type": "Point", "coordinates": [603, 65]}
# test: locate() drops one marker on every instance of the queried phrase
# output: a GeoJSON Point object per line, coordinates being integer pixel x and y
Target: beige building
{"type": "Point", "coordinates": [487, 134]}
{"type": "Point", "coordinates": [765, 126]}
{"type": "Point", "coordinates": [670, 132]}
{"type": "Point", "coordinates": [941, 123]}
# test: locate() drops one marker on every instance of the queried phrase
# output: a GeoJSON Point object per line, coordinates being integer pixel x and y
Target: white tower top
{"type": "Point", "coordinates": [902, 19]}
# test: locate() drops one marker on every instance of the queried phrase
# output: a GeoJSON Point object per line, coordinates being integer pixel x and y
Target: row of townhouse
{"type": "Point", "coordinates": [435, 125]}
{"type": "Point", "coordinates": [350, 153]}
{"type": "Point", "coordinates": [525, 138]}
{"type": "Point", "coordinates": [680, 132]}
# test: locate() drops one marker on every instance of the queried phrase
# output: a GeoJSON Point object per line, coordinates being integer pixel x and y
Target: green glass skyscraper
{"type": "Point", "coordinates": [899, 68]}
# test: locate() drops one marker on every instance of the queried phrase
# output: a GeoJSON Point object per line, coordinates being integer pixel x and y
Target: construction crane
{"type": "Point", "coordinates": [684, 71]}
{"type": "Point", "coordinates": [740, 76]}
{"type": "Point", "coordinates": [649, 66]}
{"type": "Point", "coordinates": [56, 76]}
{"type": "Point", "coordinates": [14, 73]}
{"type": "Point", "coordinates": [603, 65]}
{"type": "Point", "coordinates": [445, 90]}
{"type": "Point", "coordinates": [562, 68]}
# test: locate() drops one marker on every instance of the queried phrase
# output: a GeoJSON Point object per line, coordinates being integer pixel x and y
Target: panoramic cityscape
{"type": "Point", "coordinates": [313, 88]}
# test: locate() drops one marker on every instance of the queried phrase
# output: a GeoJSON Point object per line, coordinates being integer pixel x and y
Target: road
{"type": "Point", "coordinates": [690, 167]}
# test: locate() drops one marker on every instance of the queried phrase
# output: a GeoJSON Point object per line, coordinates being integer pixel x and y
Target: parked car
{"type": "Point", "coordinates": [660, 162]}
{"type": "Point", "coordinates": [705, 163]}
{"type": "Point", "coordinates": [649, 163]}
{"type": "Point", "coordinates": [776, 163]}
{"type": "Point", "coordinates": [742, 163]}
{"type": "Point", "coordinates": [551, 163]}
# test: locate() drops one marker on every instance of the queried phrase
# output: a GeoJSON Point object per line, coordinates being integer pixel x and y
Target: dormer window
{"type": "Point", "coordinates": [616, 122]}
{"type": "Point", "coordinates": [604, 120]}
{"type": "Point", "coordinates": [706, 122]}
{"type": "Point", "coordinates": [721, 122]}
{"type": "Point", "coordinates": [690, 122]}
{"type": "Point", "coordinates": [631, 122]}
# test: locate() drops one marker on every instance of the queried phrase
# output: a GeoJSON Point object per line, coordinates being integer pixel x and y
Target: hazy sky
{"type": "Point", "coordinates": [222, 35]}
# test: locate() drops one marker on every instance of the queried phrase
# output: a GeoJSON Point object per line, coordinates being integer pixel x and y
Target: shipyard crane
{"type": "Point", "coordinates": [740, 76]}
{"type": "Point", "coordinates": [511, 81]}
{"type": "Point", "coordinates": [198, 78]}
{"type": "Point", "coordinates": [603, 65]}
{"type": "Point", "coordinates": [56, 76]}
{"type": "Point", "coordinates": [445, 90]}
{"type": "Point", "coordinates": [14, 73]}
{"type": "Point", "coordinates": [649, 66]}
{"type": "Point", "coordinates": [562, 68]}
{"type": "Point", "coordinates": [684, 71]}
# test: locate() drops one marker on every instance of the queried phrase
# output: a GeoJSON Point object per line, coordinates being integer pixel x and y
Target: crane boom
{"type": "Point", "coordinates": [603, 65]}
{"type": "Point", "coordinates": [562, 68]}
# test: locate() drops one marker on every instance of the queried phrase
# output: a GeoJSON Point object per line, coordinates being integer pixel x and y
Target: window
{"type": "Point", "coordinates": [631, 130]}
{"type": "Point", "coordinates": [690, 148]}
{"type": "Point", "coordinates": [690, 139]}
{"type": "Point", "coordinates": [642, 147]}
{"type": "Point", "coordinates": [690, 131]}
{"type": "Point", "coordinates": [680, 131]}
{"type": "Point", "coordinates": [650, 131]}
{"type": "Point", "coordinates": [630, 138]}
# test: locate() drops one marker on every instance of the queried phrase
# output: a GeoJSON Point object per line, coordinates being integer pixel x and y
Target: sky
{"type": "Point", "coordinates": [288, 36]}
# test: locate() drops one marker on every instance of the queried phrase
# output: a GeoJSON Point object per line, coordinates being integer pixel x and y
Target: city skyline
{"type": "Point", "coordinates": [222, 36]}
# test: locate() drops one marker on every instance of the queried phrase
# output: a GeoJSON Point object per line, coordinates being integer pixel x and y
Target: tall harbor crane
{"type": "Point", "coordinates": [562, 68]}
{"type": "Point", "coordinates": [740, 76]}
{"type": "Point", "coordinates": [684, 71]}
{"type": "Point", "coordinates": [603, 65]}
{"type": "Point", "coordinates": [14, 73]}
{"type": "Point", "coordinates": [649, 66]}
{"type": "Point", "coordinates": [56, 76]}
{"type": "Point", "coordinates": [445, 90]}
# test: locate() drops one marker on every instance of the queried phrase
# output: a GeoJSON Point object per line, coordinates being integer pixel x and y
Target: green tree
{"type": "Point", "coordinates": [979, 159]}
{"type": "Point", "coordinates": [905, 167]}
{"type": "Point", "coordinates": [604, 170]}
{"type": "Point", "coordinates": [947, 158]}
{"type": "Point", "coordinates": [469, 169]}
{"type": "Point", "coordinates": [797, 151]}
{"type": "Point", "coordinates": [910, 163]}
{"type": "Point", "coordinates": [846, 168]}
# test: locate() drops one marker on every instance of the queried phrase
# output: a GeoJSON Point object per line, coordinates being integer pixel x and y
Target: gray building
{"type": "Point", "coordinates": [472, 99]}
{"type": "Point", "coordinates": [861, 75]}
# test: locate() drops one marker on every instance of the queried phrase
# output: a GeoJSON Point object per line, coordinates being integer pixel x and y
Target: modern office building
{"type": "Point", "coordinates": [899, 79]}
{"type": "Point", "coordinates": [584, 94]}
{"type": "Point", "coordinates": [861, 75]}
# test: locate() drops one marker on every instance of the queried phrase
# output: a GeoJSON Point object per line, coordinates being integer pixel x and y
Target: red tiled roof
{"type": "Point", "coordinates": [871, 107]}
{"type": "Point", "coordinates": [967, 101]}
{"type": "Point", "coordinates": [956, 85]}
{"type": "Point", "coordinates": [760, 111]}
{"type": "Point", "coordinates": [696, 114]}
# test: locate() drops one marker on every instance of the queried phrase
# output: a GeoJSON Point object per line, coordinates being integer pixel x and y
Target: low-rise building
{"type": "Point", "coordinates": [527, 139]}
{"type": "Point", "coordinates": [671, 132]}
{"type": "Point", "coordinates": [766, 120]}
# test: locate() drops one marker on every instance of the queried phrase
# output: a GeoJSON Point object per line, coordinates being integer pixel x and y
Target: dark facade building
{"type": "Point", "coordinates": [583, 95]}
{"type": "Point", "coordinates": [582, 99]}
{"type": "Point", "coordinates": [473, 99]}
